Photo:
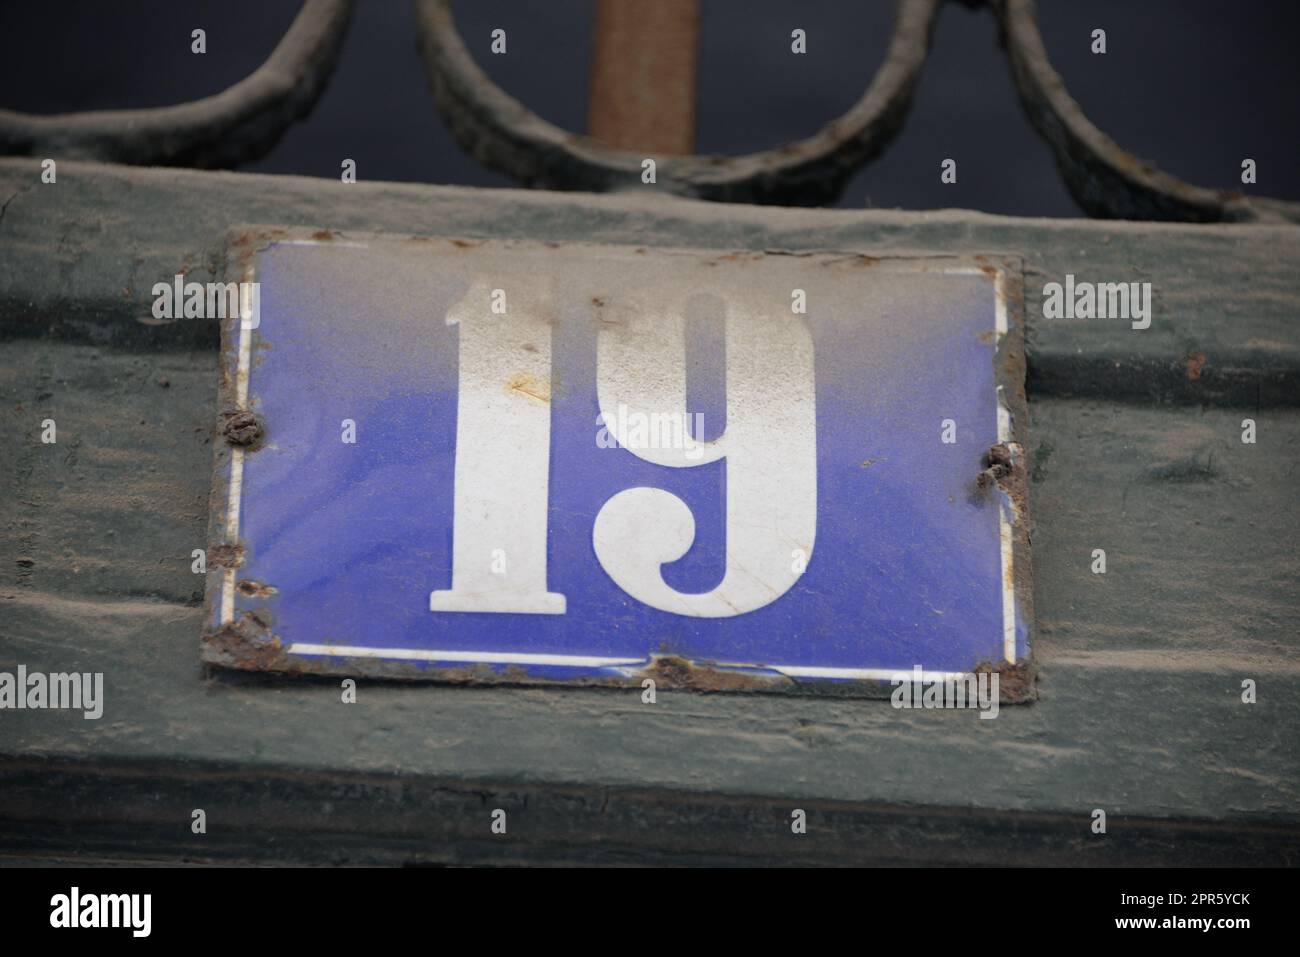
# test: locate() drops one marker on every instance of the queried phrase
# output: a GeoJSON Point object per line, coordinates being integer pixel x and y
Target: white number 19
{"type": "Point", "coordinates": [503, 457]}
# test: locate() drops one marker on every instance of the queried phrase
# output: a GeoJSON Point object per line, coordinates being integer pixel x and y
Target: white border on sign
{"type": "Point", "coordinates": [235, 493]}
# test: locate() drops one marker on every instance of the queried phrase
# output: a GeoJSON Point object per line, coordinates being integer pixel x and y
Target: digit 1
{"type": "Point", "coordinates": [503, 451]}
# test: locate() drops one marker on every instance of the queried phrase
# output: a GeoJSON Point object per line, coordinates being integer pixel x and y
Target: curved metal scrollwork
{"type": "Point", "coordinates": [245, 120]}
{"type": "Point", "coordinates": [240, 123]}
{"type": "Point", "coordinates": [503, 133]}
{"type": "Point", "coordinates": [1104, 179]}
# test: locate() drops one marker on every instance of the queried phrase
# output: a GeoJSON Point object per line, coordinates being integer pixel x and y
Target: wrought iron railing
{"type": "Point", "coordinates": [245, 120]}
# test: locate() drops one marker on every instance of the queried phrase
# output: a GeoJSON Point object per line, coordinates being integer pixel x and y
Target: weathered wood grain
{"type": "Point", "coordinates": [1139, 710]}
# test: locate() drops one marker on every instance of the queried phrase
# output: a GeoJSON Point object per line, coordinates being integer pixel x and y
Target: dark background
{"type": "Point", "coordinates": [1194, 85]}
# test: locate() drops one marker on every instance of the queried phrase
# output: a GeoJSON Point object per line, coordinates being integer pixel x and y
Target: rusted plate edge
{"type": "Point", "coordinates": [245, 639]}
{"type": "Point", "coordinates": [1009, 471]}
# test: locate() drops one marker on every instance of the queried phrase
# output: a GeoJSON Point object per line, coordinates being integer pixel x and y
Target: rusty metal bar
{"type": "Point", "coordinates": [643, 75]}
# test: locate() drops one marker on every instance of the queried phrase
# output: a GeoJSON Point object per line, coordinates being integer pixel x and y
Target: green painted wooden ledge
{"type": "Point", "coordinates": [1136, 448]}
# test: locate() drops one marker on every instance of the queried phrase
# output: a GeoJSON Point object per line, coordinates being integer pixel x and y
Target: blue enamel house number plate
{"type": "Point", "coordinates": [491, 461]}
